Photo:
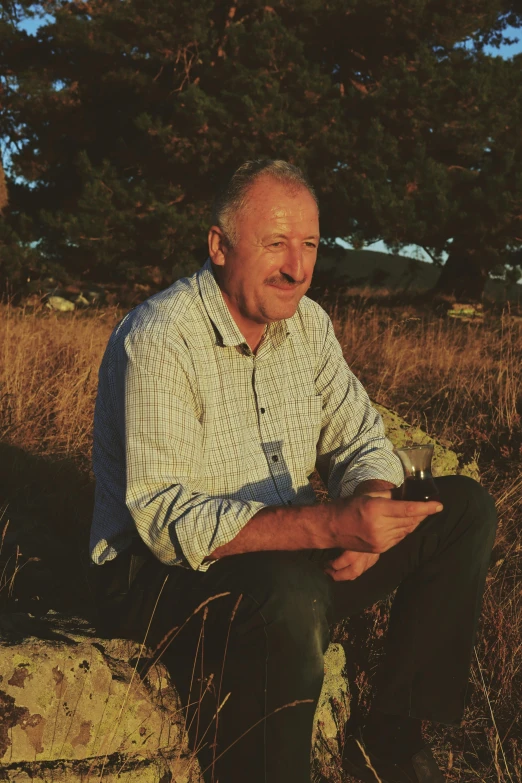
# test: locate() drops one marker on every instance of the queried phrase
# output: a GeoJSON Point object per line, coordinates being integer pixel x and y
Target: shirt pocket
{"type": "Point", "coordinates": [303, 417]}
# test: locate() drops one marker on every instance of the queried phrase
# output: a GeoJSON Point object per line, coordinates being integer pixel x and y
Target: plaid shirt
{"type": "Point", "coordinates": [193, 434]}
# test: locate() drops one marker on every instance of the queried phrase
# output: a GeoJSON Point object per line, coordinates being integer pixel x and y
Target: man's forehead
{"type": "Point", "coordinates": [267, 186]}
{"type": "Point", "coordinates": [278, 202]}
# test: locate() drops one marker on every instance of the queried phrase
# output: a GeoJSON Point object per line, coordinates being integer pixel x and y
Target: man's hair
{"type": "Point", "coordinates": [232, 197]}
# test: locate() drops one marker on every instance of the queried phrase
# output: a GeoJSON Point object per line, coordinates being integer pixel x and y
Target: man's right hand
{"type": "Point", "coordinates": [375, 524]}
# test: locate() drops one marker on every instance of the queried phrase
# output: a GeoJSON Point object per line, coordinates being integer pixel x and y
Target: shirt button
{"type": "Point", "coordinates": [289, 502]}
{"type": "Point", "coordinates": [262, 410]}
{"type": "Point", "coordinates": [275, 458]}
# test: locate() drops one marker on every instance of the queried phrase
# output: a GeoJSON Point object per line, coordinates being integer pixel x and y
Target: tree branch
{"type": "Point", "coordinates": [433, 258]}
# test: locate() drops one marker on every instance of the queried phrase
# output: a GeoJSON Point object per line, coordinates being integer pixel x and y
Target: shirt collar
{"type": "Point", "coordinates": [216, 307]}
{"type": "Point", "coordinates": [220, 316]}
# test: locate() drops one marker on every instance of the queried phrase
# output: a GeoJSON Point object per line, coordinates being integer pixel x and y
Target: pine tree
{"type": "Point", "coordinates": [128, 115]}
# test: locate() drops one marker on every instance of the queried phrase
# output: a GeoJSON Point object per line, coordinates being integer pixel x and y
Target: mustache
{"type": "Point", "coordinates": [285, 281]}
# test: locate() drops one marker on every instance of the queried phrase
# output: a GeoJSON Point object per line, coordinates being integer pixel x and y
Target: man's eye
{"type": "Point", "coordinates": [276, 244]}
{"type": "Point", "coordinates": [311, 244]}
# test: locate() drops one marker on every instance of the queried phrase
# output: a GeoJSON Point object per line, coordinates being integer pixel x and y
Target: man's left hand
{"type": "Point", "coordinates": [350, 565]}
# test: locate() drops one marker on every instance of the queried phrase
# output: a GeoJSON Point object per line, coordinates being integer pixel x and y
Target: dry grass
{"type": "Point", "coordinates": [48, 379]}
{"type": "Point", "coordinates": [462, 382]}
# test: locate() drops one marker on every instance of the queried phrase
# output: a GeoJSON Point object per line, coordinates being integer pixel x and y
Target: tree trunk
{"type": "Point", "coordinates": [464, 275]}
{"type": "Point", "coordinates": [3, 189]}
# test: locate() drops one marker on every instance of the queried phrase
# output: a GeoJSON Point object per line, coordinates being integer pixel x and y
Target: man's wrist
{"type": "Point", "coordinates": [372, 485]}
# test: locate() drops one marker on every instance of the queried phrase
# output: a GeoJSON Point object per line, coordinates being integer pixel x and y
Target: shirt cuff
{"type": "Point", "coordinates": [228, 517]}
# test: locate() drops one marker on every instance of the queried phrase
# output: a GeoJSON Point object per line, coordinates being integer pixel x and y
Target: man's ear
{"type": "Point", "coordinates": [217, 246]}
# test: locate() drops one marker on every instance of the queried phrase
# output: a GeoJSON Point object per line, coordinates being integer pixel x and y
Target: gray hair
{"type": "Point", "coordinates": [232, 197]}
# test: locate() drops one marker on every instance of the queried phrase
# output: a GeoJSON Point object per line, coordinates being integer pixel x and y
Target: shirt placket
{"type": "Point", "coordinates": [271, 428]}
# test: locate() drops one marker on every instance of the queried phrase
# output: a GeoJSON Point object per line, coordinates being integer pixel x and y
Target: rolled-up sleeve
{"type": "Point", "coordinates": [176, 519]}
{"type": "Point", "coordinates": [353, 446]}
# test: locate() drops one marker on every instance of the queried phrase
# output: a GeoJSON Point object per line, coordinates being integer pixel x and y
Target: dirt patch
{"type": "Point", "coordinates": [10, 716]}
{"type": "Point", "coordinates": [84, 735]}
{"type": "Point", "coordinates": [20, 675]}
{"type": "Point", "coordinates": [34, 728]}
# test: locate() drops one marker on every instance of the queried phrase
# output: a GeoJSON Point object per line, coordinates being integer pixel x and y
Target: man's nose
{"type": "Point", "coordinates": [293, 265]}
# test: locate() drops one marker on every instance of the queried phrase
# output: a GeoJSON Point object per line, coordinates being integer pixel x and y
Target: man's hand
{"type": "Point", "coordinates": [374, 522]}
{"type": "Point", "coordinates": [370, 523]}
{"type": "Point", "coordinates": [350, 565]}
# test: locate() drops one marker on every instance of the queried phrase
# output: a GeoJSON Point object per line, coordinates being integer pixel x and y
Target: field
{"type": "Point", "coordinates": [460, 381]}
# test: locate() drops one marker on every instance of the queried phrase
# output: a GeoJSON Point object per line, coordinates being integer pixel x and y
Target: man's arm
{"type": "Point", "coordinates": [353, 447]}
{"type": "Point", "coordinates": [360, 523]}
{"type": "Point", "coordinates": [175, 517]}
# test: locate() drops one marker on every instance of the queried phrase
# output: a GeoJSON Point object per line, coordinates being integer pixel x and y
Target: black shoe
{"type": "Point", "coordinates": [420, 768]}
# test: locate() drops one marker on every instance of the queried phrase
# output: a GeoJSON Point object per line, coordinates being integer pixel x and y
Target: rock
{"type": "Point", "coordinates": [445, 461]}
{"type": "Point", "coordinates": [73, 707]}
{"type": "Point", "coordinates": [59, 303]}
{"type": "Point", "coordinates": [81, 301]}
{"type": "Point", "coordinates": [94, 296]}
{"type": "Point", "coordinates": [333, 710]}
{"type": "Point", "coordinates": [467, 312]}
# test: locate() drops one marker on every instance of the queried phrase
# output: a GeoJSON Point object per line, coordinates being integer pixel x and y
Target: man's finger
{"type": "Point", "coordinates": [350, 572]}
{"type": "Point", "coordinates": [341, 574]}
{"type": "Point", "coordinates": [345, 575]}
{"type": "Point", "coordinates": [407, 508]}
{"type": "Point", "coordinates": [341, 562]}
{"type": "Point", "coordinates": [353, 560]}
{"type": "Point", "coordinates": [381, 493]}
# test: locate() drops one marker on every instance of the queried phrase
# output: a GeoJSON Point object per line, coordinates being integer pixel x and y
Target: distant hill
{"type": "Point", "coordinates": [391, 271]}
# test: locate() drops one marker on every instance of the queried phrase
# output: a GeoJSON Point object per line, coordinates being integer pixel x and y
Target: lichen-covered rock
{"type": "Point", "coordinates": [60, 304]}
{"type": "Point", "coordinates": [117, 769]}
{"type": "Point", "coordinates": [73, 709]}
{"type": "Point", "coordinates": [445, 461]}
{"type": "Point", "coordinates": [72, 703]}
{"type": "Point", "coordinates": [333, 708]}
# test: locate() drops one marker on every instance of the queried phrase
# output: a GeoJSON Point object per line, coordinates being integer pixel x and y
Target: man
{"type": "Point", "coordinates": [217, 399]}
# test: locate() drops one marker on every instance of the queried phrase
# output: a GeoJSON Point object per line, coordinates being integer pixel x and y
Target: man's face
{"type": "Point", "coordinates": [269, 269]}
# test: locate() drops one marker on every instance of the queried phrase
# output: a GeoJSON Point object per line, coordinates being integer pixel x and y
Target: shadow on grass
{"type": "Point", "coordinates": [45, 512]}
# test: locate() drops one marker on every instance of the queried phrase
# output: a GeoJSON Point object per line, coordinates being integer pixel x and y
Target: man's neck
{"type": "Point", "coordinates": [251, 331]}
{"type": "Point", "coordinates": [254, 348]}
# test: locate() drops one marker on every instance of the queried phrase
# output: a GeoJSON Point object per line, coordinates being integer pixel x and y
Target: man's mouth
{"type": "Point", "coordinates": [284, 285]}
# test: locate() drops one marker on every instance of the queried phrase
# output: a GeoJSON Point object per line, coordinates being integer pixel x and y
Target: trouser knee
{"type": "Point", "coordinates": [286, 603]}
{"type": "Point", "coordinates": [475, 506]}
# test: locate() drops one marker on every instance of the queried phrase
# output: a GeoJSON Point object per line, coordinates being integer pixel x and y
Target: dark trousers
{"type": "Point", "coordinates": [263, 639]}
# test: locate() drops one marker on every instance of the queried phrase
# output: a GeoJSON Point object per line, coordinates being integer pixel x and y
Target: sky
{"type": "Point", "coordinates": [412, 251]}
